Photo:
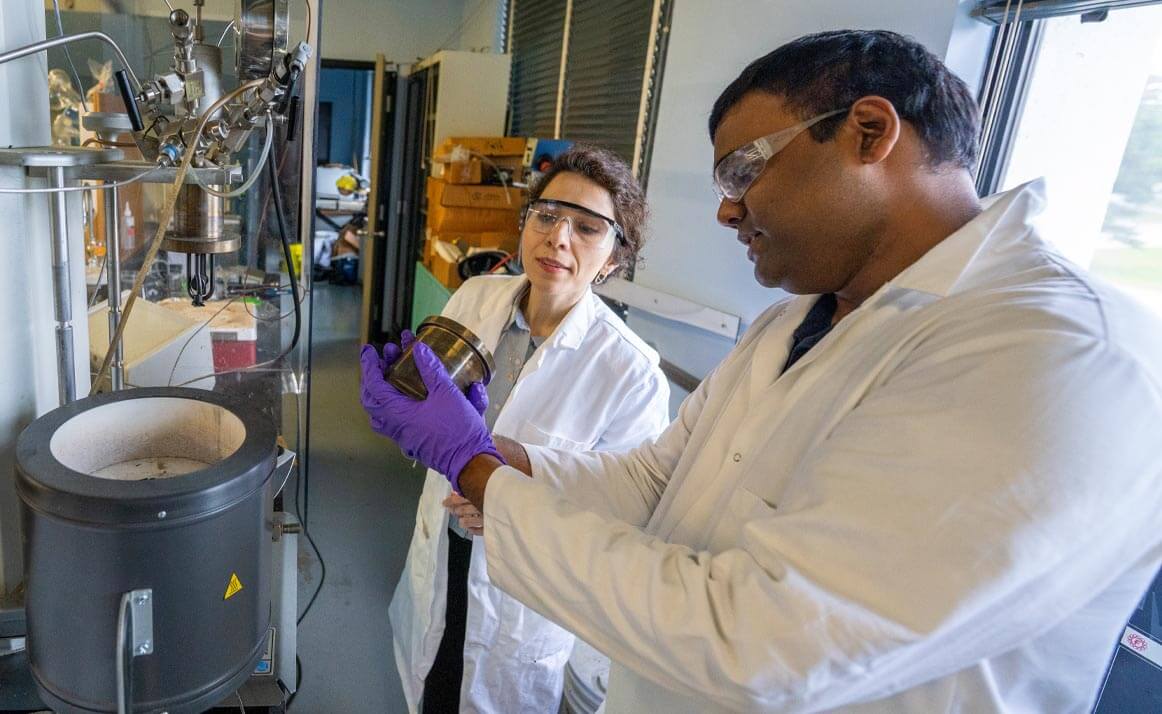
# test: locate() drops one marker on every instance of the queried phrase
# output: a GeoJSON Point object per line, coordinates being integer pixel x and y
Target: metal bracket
{"type": "Point", "coordinates": [141, 611]}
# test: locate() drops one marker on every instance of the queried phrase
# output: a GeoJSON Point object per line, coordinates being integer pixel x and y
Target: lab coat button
{"type": "Point", "coordinates": [737, 457]}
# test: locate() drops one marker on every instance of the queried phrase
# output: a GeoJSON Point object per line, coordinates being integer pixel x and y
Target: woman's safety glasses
{"type": "Point", "coordinates": [735, 172]}
{"type": "Point", "coordinates": [589, 227]}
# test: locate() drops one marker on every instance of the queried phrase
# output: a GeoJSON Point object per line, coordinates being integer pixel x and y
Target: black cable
{"type": "Point", "coordinates": [322, 563]}
{"type": "Point", "coordinates": [276, 194]}
{"type": "Point", "coordinates": [298, 681]}
{"type": "Point", "coordinates": [280, 220]}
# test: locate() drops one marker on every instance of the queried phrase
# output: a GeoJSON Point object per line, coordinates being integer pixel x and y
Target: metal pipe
{"type": "Point", "coordinates": [164, 218]}
{"type": "Point", "coordinates": [66, 39]}
{"type": "Point", "coordinates": [62, 289]}
{"type": "Point", "coordinates": [113, 261]}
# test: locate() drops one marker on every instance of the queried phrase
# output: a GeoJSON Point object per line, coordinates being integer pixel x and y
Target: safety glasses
{"type": "Point", "coordinates": [735, 172]}
{"type": "Point", "coordinates": [586, 226]}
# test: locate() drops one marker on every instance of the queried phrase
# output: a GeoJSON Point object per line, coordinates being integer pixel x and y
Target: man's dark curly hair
{"type": "Point", "coordinates": [831, 70]}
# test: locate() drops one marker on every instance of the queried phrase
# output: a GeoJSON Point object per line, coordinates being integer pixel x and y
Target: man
{"type": "Point", "coordinates": [929, 482]}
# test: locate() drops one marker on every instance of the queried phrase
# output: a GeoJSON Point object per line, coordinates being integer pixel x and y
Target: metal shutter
{"type": "Point", "coordinates": [609, 41]}
{"type": "Point", "coordinates": [538, 29]}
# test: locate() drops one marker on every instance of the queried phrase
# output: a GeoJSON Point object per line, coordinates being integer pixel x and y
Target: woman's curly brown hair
{"type": "Point", "coordinates": [609, 171]}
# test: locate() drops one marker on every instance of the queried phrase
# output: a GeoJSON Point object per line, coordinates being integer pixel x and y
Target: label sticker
{"type": "Point", "coordinates": [234, 586]}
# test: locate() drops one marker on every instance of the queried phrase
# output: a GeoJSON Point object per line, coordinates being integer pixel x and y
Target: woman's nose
{"type": "Point", "coordinates": [562, 229]}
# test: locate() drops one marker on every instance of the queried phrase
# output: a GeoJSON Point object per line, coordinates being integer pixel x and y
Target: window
{"type": "Point", "coordinates": [1089, 119]}
{"type": "Point", "coordinates": [588, 71]}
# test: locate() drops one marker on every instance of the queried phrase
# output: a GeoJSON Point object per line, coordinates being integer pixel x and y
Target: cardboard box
{"type": "Point", "coordinates": [492, 240]}
{"type": "Point", "coordinates": [233, 330]}
{"type": "Point", "coordinates": [485, 145]}
{"type": "Point", "coordinates": [476, 171]}
{"type": "Point", "coordinates": [459, 172]}
{"type": "Point", "coordinates": [446, 264]}
{"type": "Point", "coordinates": [162, 347]}
{"type": "Point", "coordinates": [473, 209]}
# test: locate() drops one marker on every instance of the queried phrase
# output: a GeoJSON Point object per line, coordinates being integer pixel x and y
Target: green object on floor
{"type": "Point", "coordinates": [430, 296]}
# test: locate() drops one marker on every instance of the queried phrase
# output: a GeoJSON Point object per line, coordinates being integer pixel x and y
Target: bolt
{"type": "Point", "coordinates": [145, 648]}
{"type": "Point", "coordinates": [141, 600]}
{"type": "Point", "coordinates": [161, 514]}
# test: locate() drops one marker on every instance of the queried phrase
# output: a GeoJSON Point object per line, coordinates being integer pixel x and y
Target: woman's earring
{"type": "Point", "coordinates": [600, 278]}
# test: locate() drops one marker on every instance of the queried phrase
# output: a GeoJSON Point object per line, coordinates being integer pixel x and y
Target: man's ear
{"type": "Point", "coordinates": [877, 126]}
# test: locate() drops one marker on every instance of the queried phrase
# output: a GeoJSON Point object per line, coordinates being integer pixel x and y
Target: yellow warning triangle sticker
{"type": "Point", "coordinates": [234, 586]}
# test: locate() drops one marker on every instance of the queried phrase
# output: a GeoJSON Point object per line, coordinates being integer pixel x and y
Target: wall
{"type": "Point", "coordinates": [402, 30]}
{"type": "Point", "coordinates": [482, 31]}
{"type": "Point", "coordinates": [28, 384]}
{"type": "Point", "coordinates": [691, 256]}
{"type": "Point", "coordinates": [347, 91]}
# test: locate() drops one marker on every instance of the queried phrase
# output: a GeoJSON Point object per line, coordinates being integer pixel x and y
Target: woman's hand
{"type": "Point", "coordinates": [471, 519]}
{"type": "Point", "coordinates": [443, 431]}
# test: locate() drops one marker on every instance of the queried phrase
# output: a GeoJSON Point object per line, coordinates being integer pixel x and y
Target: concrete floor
{"type": "Point", "coordinates": [363, 497]}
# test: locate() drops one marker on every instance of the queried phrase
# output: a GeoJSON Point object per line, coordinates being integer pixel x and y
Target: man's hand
{"type": "Point", "coordinates": [443, 431]}
{"type": "Point", "coordinates": [470, 518]}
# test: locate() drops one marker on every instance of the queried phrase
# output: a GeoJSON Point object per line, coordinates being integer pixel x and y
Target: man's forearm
{"type": "Point", "coordinates": [514, 454]}
{"type": "Point", "coordinates": [474, 478]}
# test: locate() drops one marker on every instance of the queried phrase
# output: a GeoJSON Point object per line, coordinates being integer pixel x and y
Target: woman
{"type": "Point", "coordinates": [569, 374]}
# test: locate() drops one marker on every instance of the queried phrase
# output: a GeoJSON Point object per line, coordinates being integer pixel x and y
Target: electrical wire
{"type": "Point", "coordinates": [500, 173]}
{"type": "Point", "coordinates": [309, 13]}
{"type": "Point", "coordinates": [234, 193]}
{"type": "Point", "coordinates": [252, 368]}
{"type": "Point", "coordinates": [222, 39]}
{"type": "Point", "coordinates": [97, 287]}
{"type": "Point", "coordinates": [276, 195]}
{"type": "Point", "coordinates": [103, 142]}
{"type": "Point", "coordinates": [280, 218]}
{"type": "Point", "coordinates": [56, 7]}
{"type": "Point", "coordinates": [169, 382]}
{"type": "Point", "coordinates": [164, 218]}
{"type": "Point", "coordinates": [298, 681]}
{"type": "Point", "coordinates": [281, 317]}
{"type": "Point", "coordinates": [90, 187]}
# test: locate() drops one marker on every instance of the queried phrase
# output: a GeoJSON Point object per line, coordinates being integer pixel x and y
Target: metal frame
{"type": "Point", "coordinates": [994, 13]}
{"type": "Point", "coordinates": [1007, 94]}
{"type": "Point", "coordinates": [660, 46]}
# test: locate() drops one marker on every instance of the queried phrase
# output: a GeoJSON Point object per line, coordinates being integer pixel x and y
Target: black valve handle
{"type": "Point", "coordinates": [126, 90]}
{"type": "Point", "coordinates": [292, 118]}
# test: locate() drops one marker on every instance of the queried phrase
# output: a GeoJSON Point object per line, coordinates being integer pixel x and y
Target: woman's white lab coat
{"type": "Point", "coordinates": [592, 385]}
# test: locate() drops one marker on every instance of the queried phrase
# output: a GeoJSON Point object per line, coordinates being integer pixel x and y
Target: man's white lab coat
{"type": "Point", "coordinates": [593, 384]}
{"type": "Point", "coordinates": [950, 504]}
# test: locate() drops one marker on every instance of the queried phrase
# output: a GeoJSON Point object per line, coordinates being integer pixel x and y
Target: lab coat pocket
{"type": "Point", "coordinates": [751, 528]}
{"type": "Point", "coordinates": [534, 435]}
{"type": "Point", "coordinates": [536, 638]}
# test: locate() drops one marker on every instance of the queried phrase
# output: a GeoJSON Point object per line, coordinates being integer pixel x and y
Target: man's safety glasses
{"type": "Point", "coordinates": [589, 227]}
{"type": "Point", "coordinates": [736, 171]}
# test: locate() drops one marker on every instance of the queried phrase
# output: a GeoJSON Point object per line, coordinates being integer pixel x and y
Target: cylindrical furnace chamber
{"type": "Point", "coordinates": [161, 488]}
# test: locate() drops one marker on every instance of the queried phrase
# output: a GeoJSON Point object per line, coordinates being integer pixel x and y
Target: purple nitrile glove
{"type": "Point", "coordinates": [478, 397]}
{"type": "Point", "coordinates": [443, 431]}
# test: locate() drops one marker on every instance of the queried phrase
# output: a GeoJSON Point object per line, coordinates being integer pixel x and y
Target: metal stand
{"type": "Point", "coordinates": [54, 160]}
{"type": "Point", "coordinates": [113, 283]}
{"type": "Point", "coordinates": [62, 288]}
{"type": "Point", "coordinates": [58, 165]}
